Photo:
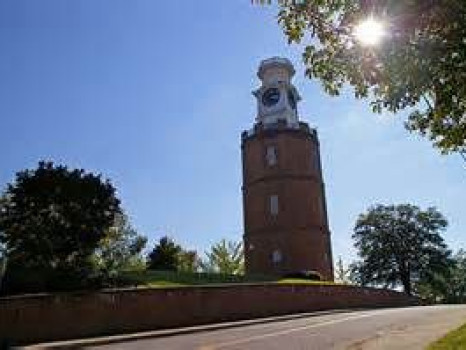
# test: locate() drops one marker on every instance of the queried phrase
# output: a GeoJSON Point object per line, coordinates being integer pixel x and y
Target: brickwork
{"type": "Point", "coordinates": [26, 319]}
{"type": "Point", "coordinates": [299, 231]}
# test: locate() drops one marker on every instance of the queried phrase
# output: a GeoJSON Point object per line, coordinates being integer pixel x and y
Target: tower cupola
{"type": "Point", "coordinates": [277, 97]}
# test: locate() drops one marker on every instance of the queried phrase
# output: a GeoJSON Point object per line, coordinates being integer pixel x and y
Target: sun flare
{"type": "Point", "coordinates": [369, 32]}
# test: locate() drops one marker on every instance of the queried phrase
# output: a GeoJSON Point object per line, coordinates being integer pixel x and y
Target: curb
{"type": "Point", "coordinates": [79, 343]}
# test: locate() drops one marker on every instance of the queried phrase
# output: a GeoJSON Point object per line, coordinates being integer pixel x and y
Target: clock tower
{"type": "Point", "coordinates": [285, 217]}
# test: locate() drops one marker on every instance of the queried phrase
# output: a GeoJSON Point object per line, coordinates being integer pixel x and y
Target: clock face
{"type": "Point", "coordinates": [291, 99]}
{"type": "Point", "coordinates": [270, 97]}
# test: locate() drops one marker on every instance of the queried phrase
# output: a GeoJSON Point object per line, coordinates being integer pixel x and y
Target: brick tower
{"type": "Point", "coordinates": [285, 218]}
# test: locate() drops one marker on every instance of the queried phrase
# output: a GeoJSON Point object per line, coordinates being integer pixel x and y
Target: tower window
{"type": "Point", "coordinates": [273, 204]}
{"type": "Point", "coordinates": [276, 256]}
{"type": "Point", "coordinates": [271, 155]}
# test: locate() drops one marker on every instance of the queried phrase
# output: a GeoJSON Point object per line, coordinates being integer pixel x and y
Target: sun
{"type": "Point", "coordinates": [369, 32]}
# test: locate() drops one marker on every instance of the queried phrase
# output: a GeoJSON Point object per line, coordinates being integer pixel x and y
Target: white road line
{"type": "Point", "coordinates": [287, 331]}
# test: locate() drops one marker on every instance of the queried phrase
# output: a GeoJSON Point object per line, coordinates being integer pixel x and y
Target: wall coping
{"type": "Point", "coordinates": [149, 289]}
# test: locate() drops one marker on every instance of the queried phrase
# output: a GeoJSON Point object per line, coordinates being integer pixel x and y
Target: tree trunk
{"type": "Point", "coordinates": [405, 281]}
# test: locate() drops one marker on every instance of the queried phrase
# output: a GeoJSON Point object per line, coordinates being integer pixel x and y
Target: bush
{"type": "Point", "coordinates": [24, 280]}
{"type": "Point", "coordinates": [306, 275]}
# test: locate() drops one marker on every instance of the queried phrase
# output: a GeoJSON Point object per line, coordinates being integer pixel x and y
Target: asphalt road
{"type": "Point", "coordinates": [402, 328]}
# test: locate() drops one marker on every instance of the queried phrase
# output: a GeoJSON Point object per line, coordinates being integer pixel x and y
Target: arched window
{"type": "Point", "coordinates": [271, 155]}
{"type": "Point", "coordinates": [273, 203]}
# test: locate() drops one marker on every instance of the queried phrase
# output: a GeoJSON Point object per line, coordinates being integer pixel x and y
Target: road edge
{"type": "Point", "coordinates": [111, 339]}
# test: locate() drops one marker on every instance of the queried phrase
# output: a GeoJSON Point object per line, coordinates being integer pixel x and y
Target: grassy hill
{"type": "Point", "coordinates": [151, 278]}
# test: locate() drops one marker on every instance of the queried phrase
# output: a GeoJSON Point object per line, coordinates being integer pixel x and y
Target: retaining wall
{"type": "Point", "coordinates": [25, 319]}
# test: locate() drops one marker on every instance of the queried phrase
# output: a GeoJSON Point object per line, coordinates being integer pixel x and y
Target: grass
{"type": "Point", "coordinates": [455, 340]}
{"type": "Point", "coordinates": [303, 281]}
{"type": "Point", "coordinates": [166, 279]}
{"type": "Point", "coordinates": [152, 278]}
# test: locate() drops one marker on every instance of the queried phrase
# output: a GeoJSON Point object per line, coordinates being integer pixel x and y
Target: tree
{"type": "Point", "coordinates": [225, 257]}
{"type": "Point", "coordinates": [435, 288]}
{"type": "Point", "coordinates": [3, 201]}
{"type": "Point", "coordinates": [2, 264]}
{"type": "Point", "coordinates": [120, 249]}
{"type": "Point", "coordinates": [354, 274]}
{"type": "Point", "coordinates": [188, 261]}
{"type": "Point", "coordinates": [456, 283]}
{"type": "Point", "coordinates": [169, 256]}
{"type": "Point", "coordinates": [420, 65]}
{"type": "Point", "coordinates": [449, 287]}
{"type": "Point", "coordinates": [164, 256]}
{"type": "Point", "coordinates": [342, 273]}
{"type": "Point", "coordinates": [400, 245]}
{"type": "Point", "coordinates": [53, 220]}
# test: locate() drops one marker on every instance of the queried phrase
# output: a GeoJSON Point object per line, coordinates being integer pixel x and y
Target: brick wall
{"type": "Point", "coordinates": [26, 319]}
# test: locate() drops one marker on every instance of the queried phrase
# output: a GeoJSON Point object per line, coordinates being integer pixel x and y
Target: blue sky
{"type": "Point", "coordinates": [154, 95]}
